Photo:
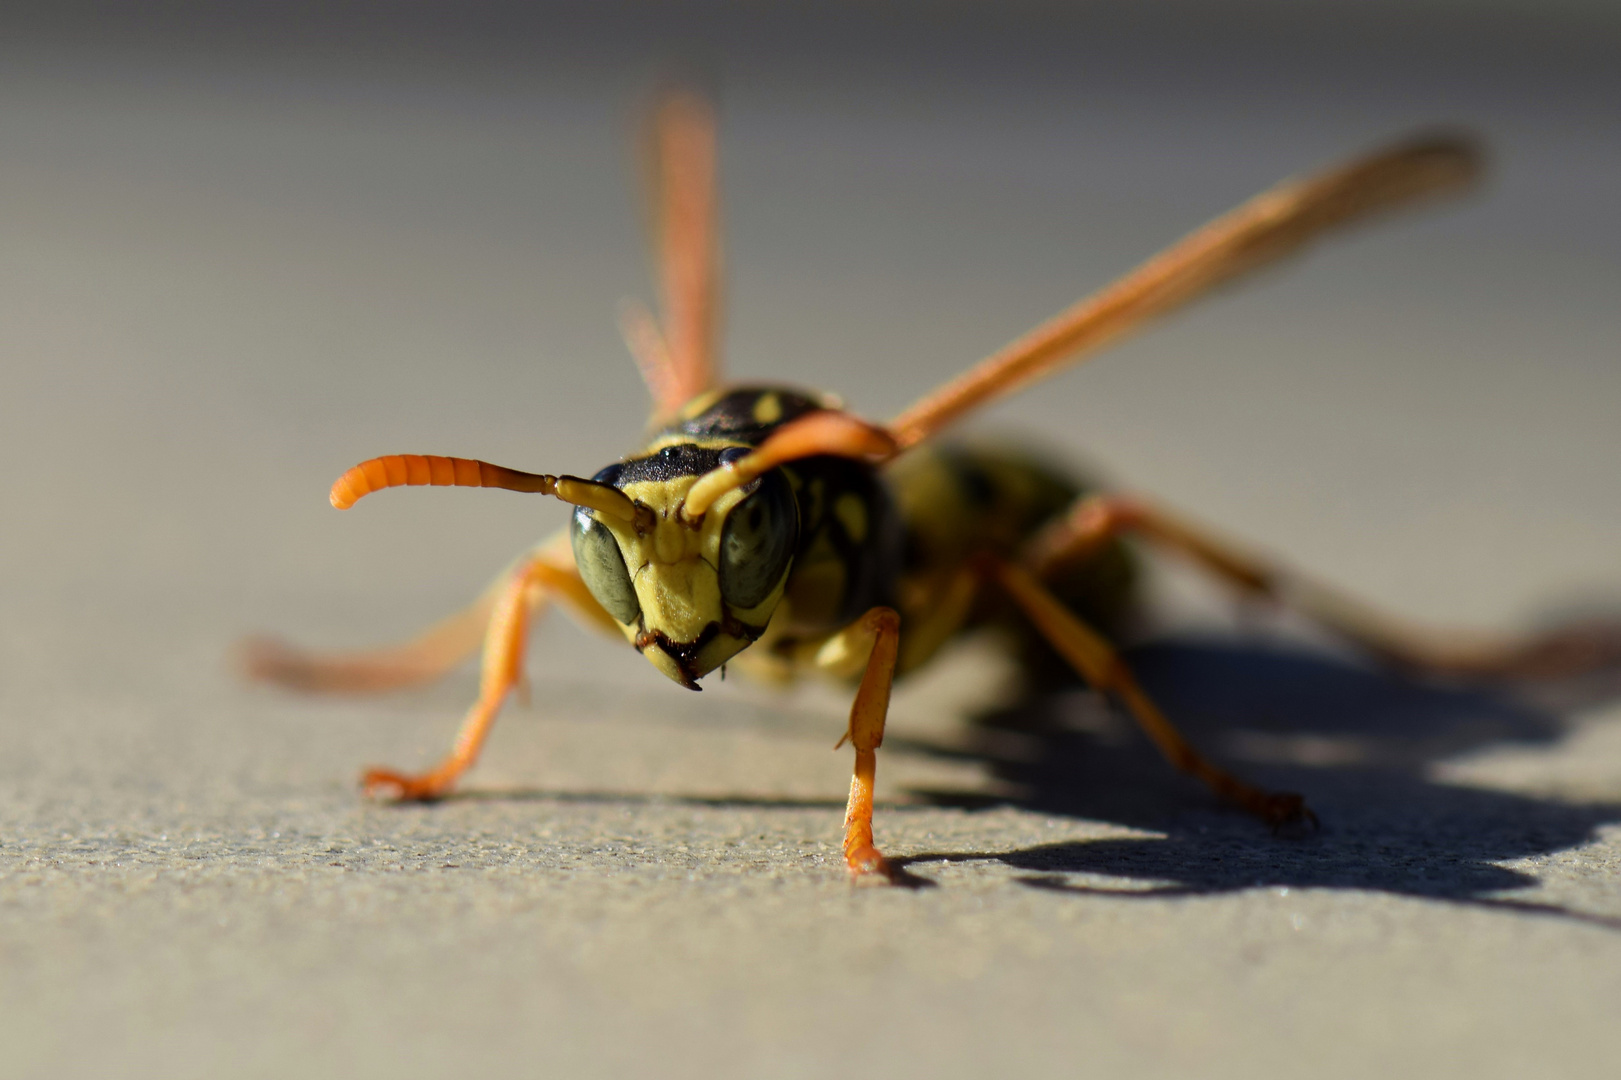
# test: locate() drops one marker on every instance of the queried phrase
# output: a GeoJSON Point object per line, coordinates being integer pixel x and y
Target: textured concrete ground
{"type": "Point", "coordinates": [234, 266]}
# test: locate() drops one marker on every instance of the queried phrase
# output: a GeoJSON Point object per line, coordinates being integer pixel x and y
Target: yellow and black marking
{"type": "Point", "coordinates": [740, 416]}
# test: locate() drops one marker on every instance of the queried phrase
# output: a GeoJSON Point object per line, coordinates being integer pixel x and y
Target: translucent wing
{"type": "Point", "coordinates": [1270, 226]}
{"type": "Point", "coordinates": [677, 356]}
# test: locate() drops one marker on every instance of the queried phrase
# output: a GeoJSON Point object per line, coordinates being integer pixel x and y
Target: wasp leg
{"type": "Point", "coordinates": [878, 631]}
{"type": "Point", "coordinates": [426, 657]}
{"type": "Point", "coordinates": [1565, 651]}
{"type": "Point", "coordinates": [519, 600]}
{"type": "Point", "coordinates": [1098, 662]}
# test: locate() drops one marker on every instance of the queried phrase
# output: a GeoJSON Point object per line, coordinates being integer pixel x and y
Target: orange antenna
{"type": "Point", "coordinates": [417, 470]}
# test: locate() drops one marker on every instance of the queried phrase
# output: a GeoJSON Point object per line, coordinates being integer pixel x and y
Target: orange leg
{"type": "Point", "coordinates": [866, 733]}
{"type": "Point", "coordinates": [522, 595]}
{"type": "Point", "coordinates": [1095, 521]}
{"type": "Point", "coordinates": [1098, 662]}
{"type": "Point", "coordinates": [424, 658]}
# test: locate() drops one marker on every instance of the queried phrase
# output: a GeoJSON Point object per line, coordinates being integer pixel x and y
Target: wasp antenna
{"type": "Point", "coordinates": [418, 470]}
{"type": "Point", "coordinates": [603, 498]}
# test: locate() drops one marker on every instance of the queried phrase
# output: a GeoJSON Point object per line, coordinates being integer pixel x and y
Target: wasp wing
{"type": "Point", "coordinates": [1268, 227]}
{"type": "Point", "coordinates": [677, 355]}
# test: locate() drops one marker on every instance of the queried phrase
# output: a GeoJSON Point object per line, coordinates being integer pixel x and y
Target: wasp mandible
{"type": "Point", "coordinates": [772, 528]}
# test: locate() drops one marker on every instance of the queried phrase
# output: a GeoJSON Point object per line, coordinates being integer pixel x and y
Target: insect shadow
{"type": "Point", "coordinates": [1363, 744]}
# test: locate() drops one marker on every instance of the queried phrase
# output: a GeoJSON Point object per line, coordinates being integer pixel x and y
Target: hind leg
{"type": "Point", "coordinates": [1096, 520]}
{"type": "Point", "coordinates": [1095, 660]}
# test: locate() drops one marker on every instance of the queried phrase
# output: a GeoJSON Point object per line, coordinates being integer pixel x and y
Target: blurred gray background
{"type": "Point", "coordinates": [245, 246]}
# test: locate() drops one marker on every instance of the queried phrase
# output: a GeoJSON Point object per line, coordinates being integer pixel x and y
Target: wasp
{"type": "Point", "coordinates": [774, 530]}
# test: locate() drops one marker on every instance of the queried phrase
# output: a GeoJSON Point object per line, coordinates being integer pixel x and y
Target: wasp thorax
{"type": "Point", "coordinates": [689, 595]}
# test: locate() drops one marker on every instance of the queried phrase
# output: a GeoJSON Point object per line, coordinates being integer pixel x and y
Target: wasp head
{"type": "Point", "coordinates": [689, 594]}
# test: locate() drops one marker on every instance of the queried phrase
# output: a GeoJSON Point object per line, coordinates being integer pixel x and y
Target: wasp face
{"type": "Point", "coordinates": [689, 595]}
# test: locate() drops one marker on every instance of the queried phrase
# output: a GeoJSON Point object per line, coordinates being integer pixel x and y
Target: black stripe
{"type": "Point", "coordinates": [682, 459]}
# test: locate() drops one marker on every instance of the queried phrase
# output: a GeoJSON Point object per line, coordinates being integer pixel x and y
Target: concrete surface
{"type": "Point", "coordinates": [232, 267]}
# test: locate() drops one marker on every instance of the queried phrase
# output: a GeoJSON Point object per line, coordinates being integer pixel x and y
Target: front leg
{"type": "Point", "coordinates": [518, 602]}
{"type": "Point", "coordinates": [881, 628]}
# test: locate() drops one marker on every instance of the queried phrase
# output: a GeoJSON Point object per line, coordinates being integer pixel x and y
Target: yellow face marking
{"type": "Point", "coordinates": [852, 514]}
{"type": "Point", "coordinates": [673, 566]}
{"type": "Point", "coordinates": [767, 409]}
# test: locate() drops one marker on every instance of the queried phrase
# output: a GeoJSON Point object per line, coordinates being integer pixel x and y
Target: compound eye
{"type": "Point", "coordinates": [757, 542]}
{"type": "Point", "coordinates": [602, 567]}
